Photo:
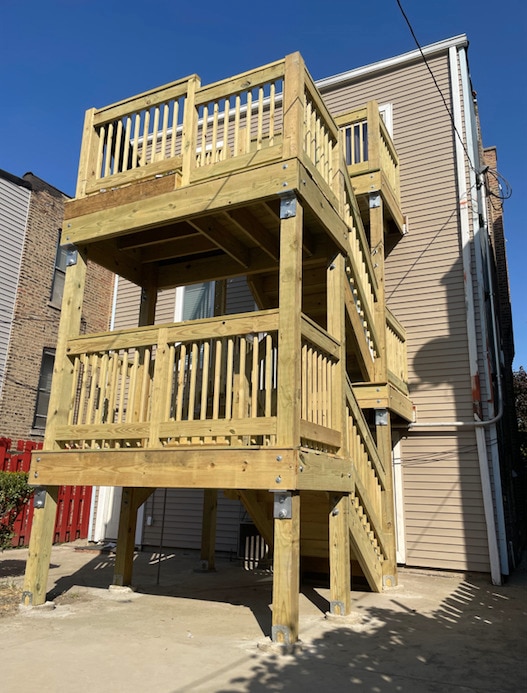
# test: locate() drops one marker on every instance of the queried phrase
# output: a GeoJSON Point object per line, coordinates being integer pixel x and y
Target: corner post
{"type": "Point", "coordinates": [289, 323]}
{"type": "Point", "coordinates": [190, 131]}
{"type": "Point", "coordinates": [88, 157]}
{"type": "Point", "coordinates": [339, 555]}
{"type": "Point", "coordinates": [60, 406]}
{"type": "Point", "coordinates": [294, 104]}
{"type": "Point", "coordinates": [286, 579]}
{"type": "Point", "coordinates": [384, 445]}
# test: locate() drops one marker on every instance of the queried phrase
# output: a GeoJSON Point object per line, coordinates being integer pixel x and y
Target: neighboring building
{"type": "Point", "coordinates": [456, 484]}
{"type": "Point", "coordinates": [457, 512]}
{"type": "Point", "coordinates": [32, 268]}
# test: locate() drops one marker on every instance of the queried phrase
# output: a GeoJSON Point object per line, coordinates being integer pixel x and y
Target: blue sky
{"type": "Point", "coordinates": [60, 57]}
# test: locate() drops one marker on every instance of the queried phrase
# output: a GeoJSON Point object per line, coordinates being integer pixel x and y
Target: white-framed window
{"type": "Point", "coordinates": [44, 389]}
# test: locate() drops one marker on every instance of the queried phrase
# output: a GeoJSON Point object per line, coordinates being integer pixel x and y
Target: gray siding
{"type": "Point", "coordinates": [443, 508]}
{"type": "Point", "coordinates": [14, 209]}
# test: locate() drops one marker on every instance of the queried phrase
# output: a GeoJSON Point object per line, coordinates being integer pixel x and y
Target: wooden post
{"type": "Point", "coordinates": [286, 575]}
{"type": "Point", "coordinates": [336, 326]}
{"type": "Point", "coordinates": [384, 446]}
{"type": "Point", "coordinates": [124, 556]}
{"type": "Point", "coordinates": [208, 529]}
{"type": "Point", "coordinates": [339, 555]}
{"type": "Point", "coordinates": [289, 323]}
{"type": "Point", "coordinates": [124, 552]}
{"type": "Point", "coordinates": [88, 157]}
{"type": "Point", "coordinates": [377, 249]}
{"type": "Point", "coordinates": [373, 116]}
{"type": "Point", "coordinates": [190, 131]}
{"type": "Point", "coordinates": [60, 404]}
{"type": "Point", "coordinates": [294, 102]}
{"type": "Point", "coordinates": [131, 500]}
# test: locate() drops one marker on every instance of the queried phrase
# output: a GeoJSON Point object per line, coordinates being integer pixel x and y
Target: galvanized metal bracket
{"type": "Point", "coordinates": [39, 497]}
{"type": "Point", "coordinates": [283, 505]}
{"type": "Point", "coordinates": [27, 598]}
{"type": "Point", "coordinates": [375, 200]}
{"type": "Point", "coordinates": [381, 417]}
{"type": "Point", "coordinates": [287, 205]}
{"type": "Point", "coordinates": [71, 254]}
{"type": "Point", "coordinates": [337, 608]}
{"type": "Point", "coordinates": [281, 635]}
{"type": "Point", "coordinates": [389, 581]}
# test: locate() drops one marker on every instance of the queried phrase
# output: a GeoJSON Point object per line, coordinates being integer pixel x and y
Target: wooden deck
{"type": "Point", "coordinates": [252, 177]}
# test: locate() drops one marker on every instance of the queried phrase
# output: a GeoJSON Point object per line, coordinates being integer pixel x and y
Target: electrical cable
{"type": "Point", "coordinates": [487, 171]}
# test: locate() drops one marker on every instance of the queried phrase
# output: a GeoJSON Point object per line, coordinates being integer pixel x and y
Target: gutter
{"type": "Point", "coordinates": [459, 41]}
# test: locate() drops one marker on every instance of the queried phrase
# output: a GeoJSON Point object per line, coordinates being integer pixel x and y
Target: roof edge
{"type": "Point", "coordinates": [16, 180]}
{"type": "Point", "coordinates": [459, 41]}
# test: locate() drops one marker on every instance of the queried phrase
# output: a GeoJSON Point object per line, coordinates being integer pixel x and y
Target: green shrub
{"type": "Point", "coordinates": [14, 494]}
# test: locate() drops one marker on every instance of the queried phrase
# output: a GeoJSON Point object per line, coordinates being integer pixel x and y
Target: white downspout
{"type": "Point", "coordinates": [480, 208]}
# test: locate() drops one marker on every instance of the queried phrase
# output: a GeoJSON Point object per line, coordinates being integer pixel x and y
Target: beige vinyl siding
{"type": "Point", "coordinates": [443, 509]}
{"type": "Point", "coordinates": [14, 209]}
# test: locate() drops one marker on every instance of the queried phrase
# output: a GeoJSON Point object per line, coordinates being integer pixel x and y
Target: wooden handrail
{"type": "Point", "coordinates": [365, 434]}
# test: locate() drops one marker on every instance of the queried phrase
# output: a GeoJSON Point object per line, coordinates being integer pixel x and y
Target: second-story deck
{"type": "Point", "coordinates": [245, 177]}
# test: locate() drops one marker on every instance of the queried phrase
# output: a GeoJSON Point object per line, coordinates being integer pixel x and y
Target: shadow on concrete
{"type": "Point", "coordinates": [14, 567]}
{"type": "Point", "coordinates": [177, 574]}
{"type": "Point", "coordinates": [474, 641]}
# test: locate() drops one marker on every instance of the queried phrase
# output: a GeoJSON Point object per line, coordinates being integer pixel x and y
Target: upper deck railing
{"type": "Point", "coordinates": [369, 148]}
{"type": "Point", "coordinates": [187, 128]}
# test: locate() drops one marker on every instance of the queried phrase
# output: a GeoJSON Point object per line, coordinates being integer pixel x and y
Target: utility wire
{"type": "Point", "coordinates": [486, 172]}
{"type": "Point", "coordinates": [436, 85]}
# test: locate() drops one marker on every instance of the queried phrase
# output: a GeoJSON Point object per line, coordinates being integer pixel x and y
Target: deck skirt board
{"type": "Point", "coordinates": [187, 467]}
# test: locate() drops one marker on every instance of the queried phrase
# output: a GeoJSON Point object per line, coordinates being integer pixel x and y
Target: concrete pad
{"type": "Point", "coordinates": [181, 631]}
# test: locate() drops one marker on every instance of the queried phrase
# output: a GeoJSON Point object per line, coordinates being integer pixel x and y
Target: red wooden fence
{"type": "Point", "coordinates": [73, 509]}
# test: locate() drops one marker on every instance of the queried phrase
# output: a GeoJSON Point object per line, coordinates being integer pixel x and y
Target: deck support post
{"type": "Point", "coordinates": [339, 555]}
{"type": "Point", "coordinates": [384, 446]}
{"type": "Point", "coordinates": [208, 529]}
{"type": "Point", "coordinates": [289, 327]}
{"type": "Point", "coordinates": [336, 326]}
{"type": "Point", "coordinates": [133, 498]}
{"type": "Point", "coordinates": [286, 574]}
{"type": "Point", "coordinates": [377, 250]}
{"type": "Point", "coordinates": [39, 555]}
{"type": "Point", "coordinates": [60, 405]}
{"type": "Point", "coordinates": [131, 501]}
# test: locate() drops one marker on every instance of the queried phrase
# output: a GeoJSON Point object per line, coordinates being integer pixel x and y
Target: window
{"type": "Point", "coordinates": [57, 288]}
{"type": "Point", "coordinates": [44, 388]}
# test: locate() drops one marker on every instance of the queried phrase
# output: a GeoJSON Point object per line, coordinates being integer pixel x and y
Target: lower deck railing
{"type": "Point", "coordinates": [202, 382]}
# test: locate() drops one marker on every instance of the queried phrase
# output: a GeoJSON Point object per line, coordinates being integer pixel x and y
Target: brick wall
{"type": "Point", "coordinates": [36, 321]}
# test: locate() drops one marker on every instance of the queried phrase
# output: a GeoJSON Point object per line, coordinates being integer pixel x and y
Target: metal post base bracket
{"type": "Point", "coordinates": [337, 608]}
{"type": "Point", "coordinates": [281, 635]}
